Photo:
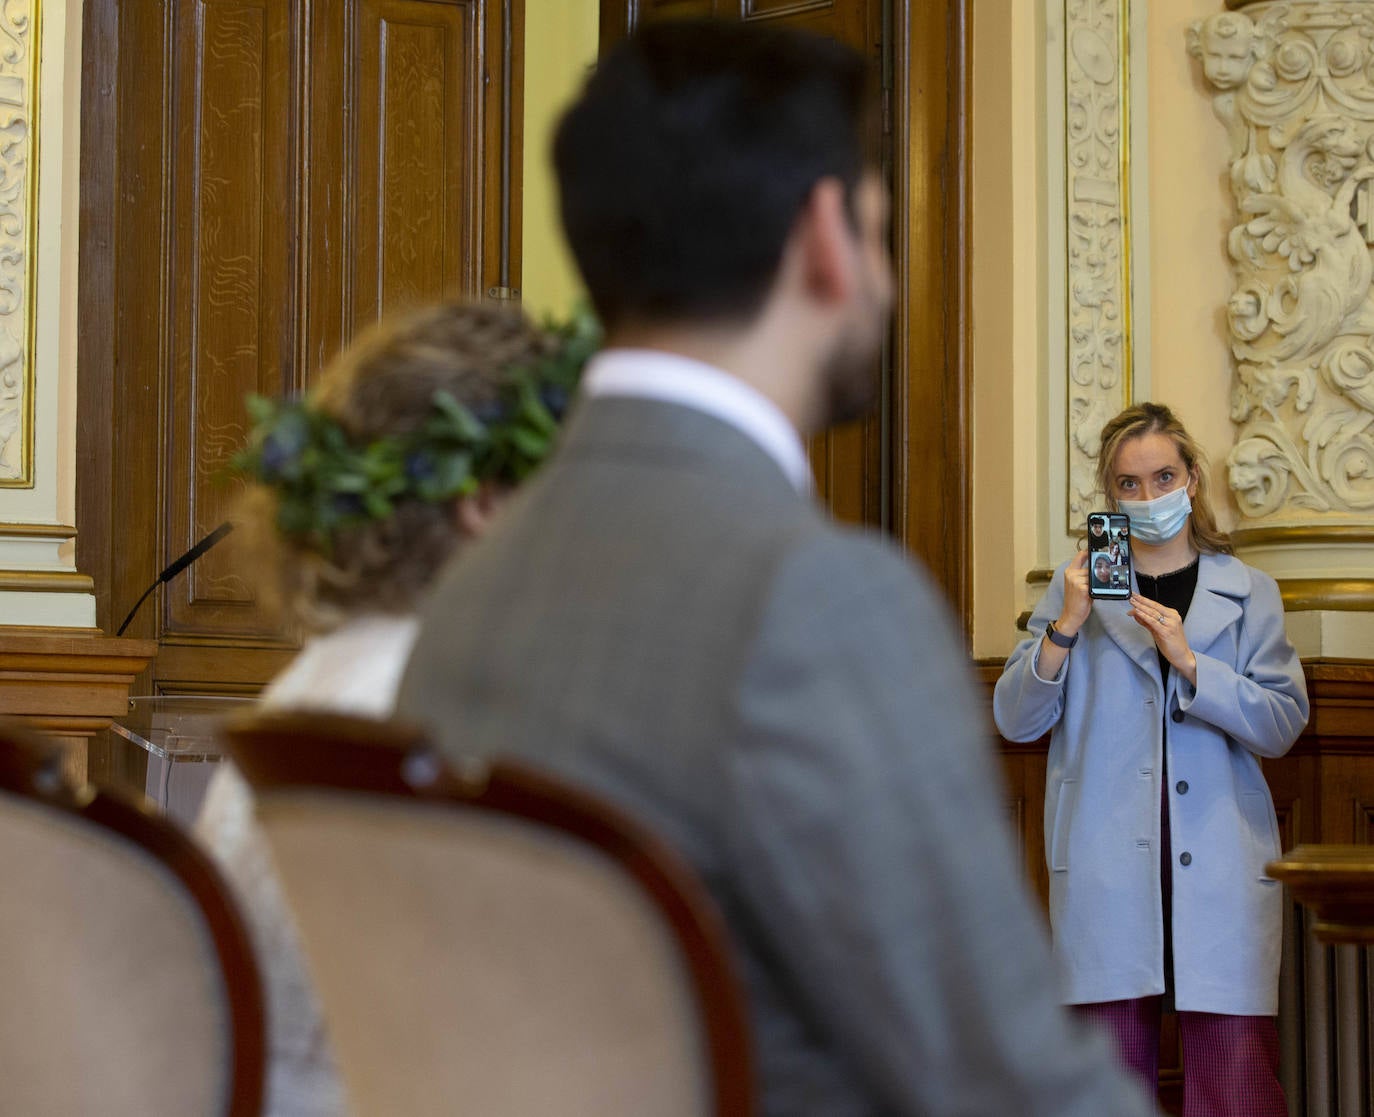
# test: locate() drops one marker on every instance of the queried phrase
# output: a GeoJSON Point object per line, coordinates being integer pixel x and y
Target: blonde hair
{"type": "Point", "coordinates": [1155, 418]}
{"type": "Point", "coordinates": [383, 385]}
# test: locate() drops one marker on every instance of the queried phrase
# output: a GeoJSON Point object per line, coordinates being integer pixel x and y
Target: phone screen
{"type": "Point", "coordinates": [1109, 555]}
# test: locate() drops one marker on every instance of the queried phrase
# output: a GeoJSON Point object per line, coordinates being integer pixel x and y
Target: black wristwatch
{"type": "Point", "coordinates": [1058, 639]}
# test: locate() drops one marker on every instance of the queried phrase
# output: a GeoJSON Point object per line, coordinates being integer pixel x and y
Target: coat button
{"type": "Point", "coordinates": [1181, 787]}
{"type": "Point", "coordinates": [1177, 715]}
{"type": "Point", "coordinates": [1185, 858]}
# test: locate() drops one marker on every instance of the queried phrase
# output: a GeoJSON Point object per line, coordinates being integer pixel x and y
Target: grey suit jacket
{"type": "Point", "coordinates": [661, 616]}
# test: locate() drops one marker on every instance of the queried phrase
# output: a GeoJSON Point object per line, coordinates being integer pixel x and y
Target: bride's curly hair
{"type": "Point", "coordinates": [383, 386]}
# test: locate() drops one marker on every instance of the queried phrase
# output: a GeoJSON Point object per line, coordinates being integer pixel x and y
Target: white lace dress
{"type": "Point", "coordinates": [356, 670]}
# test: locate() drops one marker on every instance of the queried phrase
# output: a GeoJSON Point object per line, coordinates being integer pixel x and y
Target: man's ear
{"type": "Point", "coordinates": [826, 242]}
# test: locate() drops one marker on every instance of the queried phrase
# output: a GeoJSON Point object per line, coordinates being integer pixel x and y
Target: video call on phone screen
{"type": "Point", "coordinates": [1109, 555]}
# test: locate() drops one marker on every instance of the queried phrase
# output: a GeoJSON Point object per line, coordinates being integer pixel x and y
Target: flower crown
{"type": "Point", "coordinates": [324, 481]}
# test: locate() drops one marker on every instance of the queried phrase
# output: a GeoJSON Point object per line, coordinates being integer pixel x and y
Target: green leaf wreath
{"type": "Point", "coordinates": [323, 481]}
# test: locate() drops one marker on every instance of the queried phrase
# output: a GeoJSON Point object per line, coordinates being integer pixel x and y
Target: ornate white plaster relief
{"type": "Point", "coordinates": [1097, 201]}
{"type": "Point", "coordinates": [1293, 82]}
{"type": "Point", "coordinates": [18, 113]}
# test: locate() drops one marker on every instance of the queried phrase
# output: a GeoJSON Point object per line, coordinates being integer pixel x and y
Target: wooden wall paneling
{"type": "Point", "coordinates": [231, 313]}
{"type": "Point", "coordinates": [930, 439]}
{"type": "Point", "coordinates": [859, 24]}
{"type": "Point", "coordinates": [1023, 767]}
{"type": "Point", "coordinates": [96, 321]}
{"type": "Point", "coordinates": [327, 154]}
{"type": "Point", "coordinates": [502, 149]}
{"type": "Point", "coordinates": [418, 185]}
{"type": "Point", "coordinates": [619, 17]}
{"type": "Point", "coordinates": [139, 355]}
{"type": "Point", "coordinates": [848, 461]}
{"type": "Point", "coordinates": [260, 178]}
{"type": "Point", "coordinates": [1290, 780]}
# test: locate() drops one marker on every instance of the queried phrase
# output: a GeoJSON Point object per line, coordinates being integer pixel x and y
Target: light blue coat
{"type": "Point", "coordinates": [1107, 712]}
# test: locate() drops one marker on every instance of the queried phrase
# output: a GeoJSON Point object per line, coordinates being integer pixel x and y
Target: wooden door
{"type": "Point", "coordinates": [906, 469]}
{"type": "Point", "coordinates": [260, 179]}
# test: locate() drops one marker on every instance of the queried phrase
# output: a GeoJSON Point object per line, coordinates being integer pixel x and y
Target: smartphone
{"type": "Point", "coordinates": [1109, 556]}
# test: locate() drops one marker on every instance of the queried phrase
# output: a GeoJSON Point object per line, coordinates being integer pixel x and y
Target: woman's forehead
{"type": "Point", "coordinates": [1147, 453]}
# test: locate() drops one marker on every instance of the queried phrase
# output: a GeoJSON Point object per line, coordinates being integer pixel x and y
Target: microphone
{"type": "Point", "coordinates": [177, 567]}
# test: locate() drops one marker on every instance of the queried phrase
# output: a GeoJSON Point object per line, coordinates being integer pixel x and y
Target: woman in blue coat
{"type": "Point", "coordinates": [1158, 820]}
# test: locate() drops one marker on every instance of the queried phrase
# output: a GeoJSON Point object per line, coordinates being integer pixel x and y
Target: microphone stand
{"type": "Point", "coordinates": [177, 566]}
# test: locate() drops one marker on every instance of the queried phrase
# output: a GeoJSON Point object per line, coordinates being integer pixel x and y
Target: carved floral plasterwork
{"type": "Point", "coordinates": [18, 111]}
{"type": "Point", "coordinates": [1293, 83]}
{"type": "Point", "coordinates": [1098, 231]}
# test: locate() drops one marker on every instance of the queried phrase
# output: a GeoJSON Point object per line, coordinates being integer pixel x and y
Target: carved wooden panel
{"type": "Point", "coordinates": [853, 23]}
{"type": "Point", "coordinates": [1023, 768]}
{"type": "Point", "coordinates": [260, 179]}
{"type": "Point", "coordinates": [418, 176]}
{"type": "Point", "coordinates": [230, 223]}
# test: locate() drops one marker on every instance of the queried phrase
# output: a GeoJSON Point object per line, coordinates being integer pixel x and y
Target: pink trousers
{"type": "Point", "coordinates": [1230, 1063]}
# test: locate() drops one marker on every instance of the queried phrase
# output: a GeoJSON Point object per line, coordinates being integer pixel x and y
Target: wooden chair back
{"type": "Point", "coordinates": [128, 983]}
{"type": "Point", "coordinates": [488, 938]}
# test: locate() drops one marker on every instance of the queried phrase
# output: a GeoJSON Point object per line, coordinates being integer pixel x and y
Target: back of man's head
{"type": "Point", "coordinates": [684, 163]}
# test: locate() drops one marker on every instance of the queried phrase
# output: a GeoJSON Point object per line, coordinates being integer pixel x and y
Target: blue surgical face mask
{"type": "Point", "coordinates": [1158, 520]}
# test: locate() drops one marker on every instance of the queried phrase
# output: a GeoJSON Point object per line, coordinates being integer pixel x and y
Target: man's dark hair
{"type": "Point", "coordinates": [684, 163]}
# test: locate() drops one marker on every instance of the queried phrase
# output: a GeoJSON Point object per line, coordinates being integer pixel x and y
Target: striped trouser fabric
{"type": "Point", "coordinates": [1230, 1063]}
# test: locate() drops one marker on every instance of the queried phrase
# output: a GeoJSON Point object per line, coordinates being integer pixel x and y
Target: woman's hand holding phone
{"type": "Point", "coordinates": [1077, 605]}
{"type": "Point", "coordinates": [1078, 602]}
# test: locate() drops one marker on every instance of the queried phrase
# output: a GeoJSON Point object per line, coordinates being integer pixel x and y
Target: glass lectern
{"type": "Point", "coordinates": [178, 733]}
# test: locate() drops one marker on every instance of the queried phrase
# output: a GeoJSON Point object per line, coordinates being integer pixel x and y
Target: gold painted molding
{"type": "Point", "coordinates": [39, 531]}
{"type": "Point", "coordinates": [1303, 533]}
{"type": "Point", "coordinates": [46, 581]}
{"type": "Point", "coordinates": [1352, 595]}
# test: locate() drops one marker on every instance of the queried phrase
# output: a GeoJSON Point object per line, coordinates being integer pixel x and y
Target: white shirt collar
{"type": "Point", "coordinates": [672, 378]}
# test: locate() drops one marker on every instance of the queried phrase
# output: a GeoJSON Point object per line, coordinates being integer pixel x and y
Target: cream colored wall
{"type": "Point", "coordinates": [1190, 212]}
{"type": "Point", "coordinates": [1009, 411]}
{"type": "Point", "coordinates": [560, 47]}
{"type": "Point", "coordinates": [35, 546]}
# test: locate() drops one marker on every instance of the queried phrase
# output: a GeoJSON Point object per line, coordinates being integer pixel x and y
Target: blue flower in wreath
{"type": "Point", "coordinates": [554, 397]}
{"type": "Point", "coordinates": [348, 506]}
{"type": "Point", "coordinates": [282, 447]}
{"type": "Point", "coordinates": [491, 413]}
{"type": "Point", "coordinates": [420, 467]}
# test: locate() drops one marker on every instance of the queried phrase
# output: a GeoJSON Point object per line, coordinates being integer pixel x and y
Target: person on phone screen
{"type": "Point", "coordinates": [1102, 571]}
{"type": "Point", "coordinates": [1097, 533]}
{"type": "Point", "coordinates": [1157, 836]}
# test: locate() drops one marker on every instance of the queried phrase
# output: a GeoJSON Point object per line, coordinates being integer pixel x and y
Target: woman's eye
{"type": "Point", "coordinates": [1166, 478]}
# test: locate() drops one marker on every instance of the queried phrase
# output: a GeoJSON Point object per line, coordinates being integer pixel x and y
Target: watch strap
{"type": "Point", "coordinates": [1058, 639]}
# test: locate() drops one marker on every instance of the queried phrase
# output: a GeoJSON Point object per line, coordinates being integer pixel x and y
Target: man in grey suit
{"type": "Point", "coordinates": [664, 614]}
